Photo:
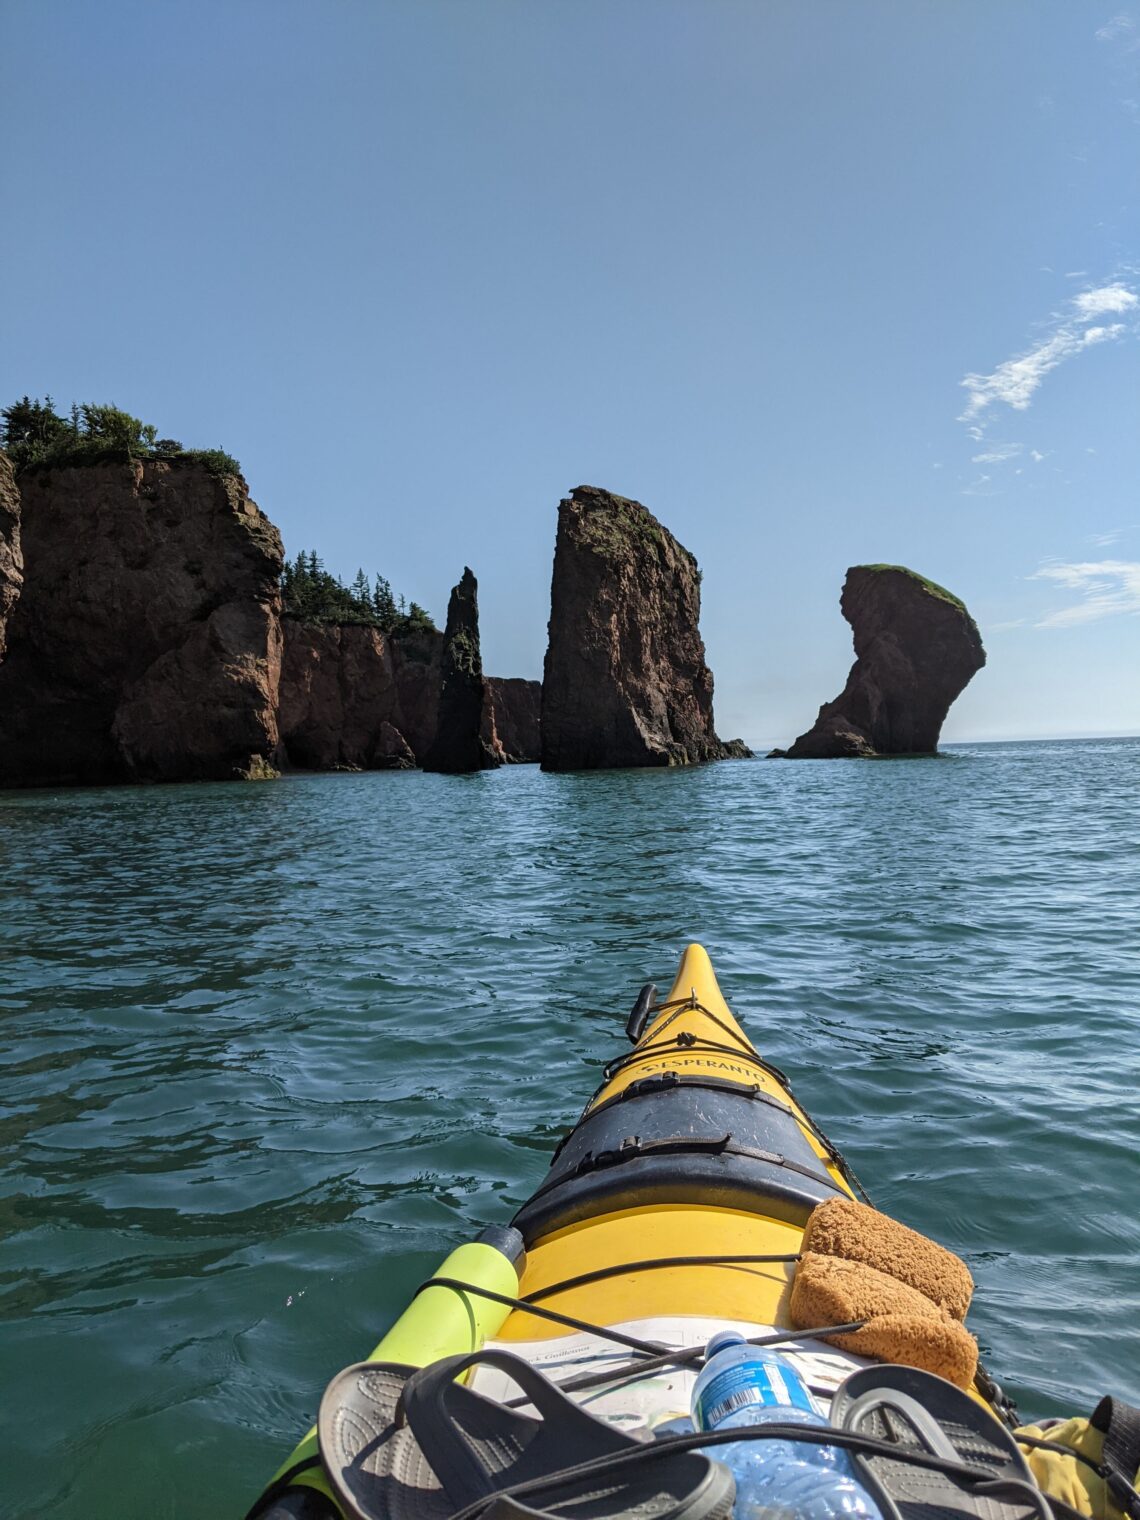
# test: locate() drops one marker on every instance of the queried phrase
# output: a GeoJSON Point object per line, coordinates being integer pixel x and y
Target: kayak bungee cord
{"type": "Point", "coordinates": [631, 1342]}
{"type": "Point", "coordinates": [634, 1371]}
{"type": "Point", "coordinates": [652, 1264]}
{"type": "Point", "coordinates": [740, 1050]}
{"type": "Point", "coordinates": [979, 1479]}
{"type": "Point", "coordinates": [659, 1356]}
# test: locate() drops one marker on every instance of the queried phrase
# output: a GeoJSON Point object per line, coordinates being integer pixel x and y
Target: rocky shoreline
{"type": "Point", "coordinates": [143, 637]}
{"type": "Point", "coordinates": [151, 630]}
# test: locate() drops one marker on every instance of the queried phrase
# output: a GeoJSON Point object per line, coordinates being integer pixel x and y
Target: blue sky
{"type": "Point", "coordinates": [820, 283]}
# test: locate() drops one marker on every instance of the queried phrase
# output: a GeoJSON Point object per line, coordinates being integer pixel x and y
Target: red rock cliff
{"type": "Point", "coordinates": [11, 557]}
{"type": "Point", "coordinates": [146, 643]}
{"type": "Point", "coordinates": [511, 727]}
{"type": "Point", "coordinates": [625, 681]}
{"type": "Point", "coordinates": [916, 648]}
{"type": "Point", "coordinates": [354, 699]}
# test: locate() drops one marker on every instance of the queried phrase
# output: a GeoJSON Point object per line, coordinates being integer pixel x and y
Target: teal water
{"type": "Point", "coordinates": [270, 1051]}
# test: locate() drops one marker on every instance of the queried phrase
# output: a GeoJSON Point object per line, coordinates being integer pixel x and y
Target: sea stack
{"type": "Point", "coordinates": [458, 745]}
{"type": "Point", "coordinates": [11, 559]}
{"type": "Point", "coordinates": [625, 681]}
{"type": "Point", "coordinates": [146, 642]}
{"type": "Point", "coordinates": [916, 648]}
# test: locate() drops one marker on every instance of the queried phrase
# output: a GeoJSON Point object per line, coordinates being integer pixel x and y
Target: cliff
{"type": "Point", "coordinates": [916, 648]}
{"type": "Point", "coordinates": [625, 681]}
{"type": "Point", "coordinates": [11, 557]}
{"type": "Point", "coordinates": [417, 659]}
{"type": "Point", "coordinates": [511, 727]}
{"type": "Point", "coordinates": [458, 745]}
{"type": "Point", "coordinates": [353, 698]}
{"type": "Point", "coordinates": [146, 642]}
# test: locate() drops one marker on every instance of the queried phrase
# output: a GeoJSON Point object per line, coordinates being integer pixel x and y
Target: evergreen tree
{"type": "Point", "coordinates": [34, 434]}
{"type": "Point", "coordinates": [384, 604]}
{"type": "Point", "coordinates": [362, 595]}
{"type": "Point", "coordinates": [310, 593]}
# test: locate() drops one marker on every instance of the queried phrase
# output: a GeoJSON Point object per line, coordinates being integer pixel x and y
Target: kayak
{"type": "Point", "coordinates": [675, 1208]}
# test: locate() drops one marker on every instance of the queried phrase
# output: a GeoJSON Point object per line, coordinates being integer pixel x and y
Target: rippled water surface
{"type": "Point", "coordinates": [270, 1051]}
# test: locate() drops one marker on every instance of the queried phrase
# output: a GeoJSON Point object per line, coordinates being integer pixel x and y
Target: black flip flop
{"type": "Point", "coordinates": [920, 1412]}
{"type": "Point", "coordinates": [405, 1444]}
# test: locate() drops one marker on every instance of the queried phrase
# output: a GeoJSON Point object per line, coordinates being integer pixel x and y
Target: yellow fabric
{"type": "Point", "coordinates": [1063, 1477]}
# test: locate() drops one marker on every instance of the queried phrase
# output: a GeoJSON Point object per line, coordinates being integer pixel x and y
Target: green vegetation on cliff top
{"type": "Point", "coordinates": [928, 585]}
{"type": "Point", "coordinates": [311, 594]}
{"type": "Point", "coordinates": [35, 436]}
{"type": "Point", "coordinates": [612, 523]}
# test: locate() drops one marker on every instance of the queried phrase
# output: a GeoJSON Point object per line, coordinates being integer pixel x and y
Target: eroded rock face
{"type": "Point", "coordinates": [511, 727]}
{"type": "Point", "coordinates": [625, 681]}
{"type": "Point", "coordinates": [11, 557]}
{"type": "Point", "coordinates": [417, 659]}
{"type": "Point", "coordinates": [338, 691]}
{"type": "Point", "coordinates": [146, 642]}
{"type": "Point", "coordinates": [458, 745]}
{"type": "Point", "coordinates": [916, 648]}
{"type": "Point", "coordinates": [352, 698]}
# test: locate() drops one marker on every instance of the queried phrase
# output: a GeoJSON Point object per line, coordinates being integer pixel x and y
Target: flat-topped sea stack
{"type": "Point", "coordinates": [146, 642]}
{"type": "Point", "coordinates": [11, 558]}
{"type": "Point", "coordinates": [625, 681]}
{"type": "Point", "coordinates": [459, 746]}
{"type": "Point", "coordinates": [916, 648]}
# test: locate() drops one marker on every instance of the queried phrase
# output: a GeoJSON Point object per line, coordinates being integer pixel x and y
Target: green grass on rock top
{"type": "Point", "coordinates": [927, 585]}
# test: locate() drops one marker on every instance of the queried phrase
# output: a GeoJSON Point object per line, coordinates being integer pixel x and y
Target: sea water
{"type": "Point", "coordinates": [269, 1051]}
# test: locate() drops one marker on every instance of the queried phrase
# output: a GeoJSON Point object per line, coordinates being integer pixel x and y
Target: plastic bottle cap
{"type": "Point", "coordinates": [721, 1339]}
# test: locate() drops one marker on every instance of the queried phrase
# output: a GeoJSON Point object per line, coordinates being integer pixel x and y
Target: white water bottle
{"type": "Point", "coordinates": [743, 1385]}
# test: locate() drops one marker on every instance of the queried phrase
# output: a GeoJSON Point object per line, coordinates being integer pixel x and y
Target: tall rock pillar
{"type": "Point", "coordinates": [458, 745]}
{"type": "Point", "coordinates": [625, 681]}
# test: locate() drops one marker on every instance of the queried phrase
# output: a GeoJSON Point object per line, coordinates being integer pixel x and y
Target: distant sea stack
{"type": "Point", "coordinates": [625, 681]}
{"type": "Point", "coordinates": [11, 558]}
{"type": "Point", "coordinates": [146, 643]}
{"type": "Point", "coordinates": [459, 746]}
{"type": "Point", "coordinates": [916, 648]}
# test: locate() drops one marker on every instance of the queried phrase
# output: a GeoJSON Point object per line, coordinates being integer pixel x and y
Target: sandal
{"type": "Point", "coordinates": [400, 1443]}
{"type": "Point", "coordinates": [924, 1413]}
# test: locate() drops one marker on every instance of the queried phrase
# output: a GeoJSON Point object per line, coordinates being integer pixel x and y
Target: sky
{"type": "Point", "coordinates": [820, 283]}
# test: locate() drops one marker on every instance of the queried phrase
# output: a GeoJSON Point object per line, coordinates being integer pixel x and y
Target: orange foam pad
{"type": "Point", "coordinates": [902, 1324]}
{"type": "Point", "coordinates": [840, 1227]}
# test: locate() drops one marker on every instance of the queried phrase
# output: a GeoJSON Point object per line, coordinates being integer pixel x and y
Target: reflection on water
{"type": "Point", "coordinates": [270, 1051]}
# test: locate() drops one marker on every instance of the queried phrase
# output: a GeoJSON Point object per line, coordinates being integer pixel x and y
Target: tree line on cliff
{"type": "Point", "coordinates": [34, 435]}
{"type": "Point", "coordinates": [312, 594]}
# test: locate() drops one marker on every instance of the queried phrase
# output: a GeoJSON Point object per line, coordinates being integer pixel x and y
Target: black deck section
{"type": "Point", "coordinates": [672, 1139]}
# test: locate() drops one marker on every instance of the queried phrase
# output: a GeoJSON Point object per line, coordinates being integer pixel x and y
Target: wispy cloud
{"type": "Point", "coordinates": [1109, 300]}
{"type": "Point", "coordinates": [1122, 28]}
{"type": "Point", "coordinates": [1015, 382]}
{"type": "Point", "coordinates": [1106, 540]}
{"type": "Point", "coordinates": [998, 454]}
{"type": "Point", "coordinates": [1107, 588]}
